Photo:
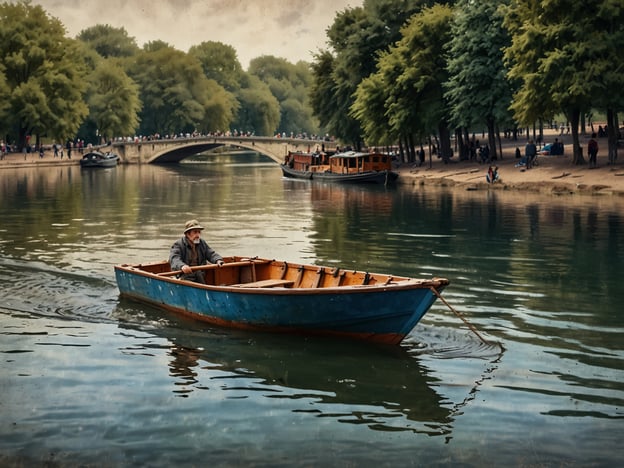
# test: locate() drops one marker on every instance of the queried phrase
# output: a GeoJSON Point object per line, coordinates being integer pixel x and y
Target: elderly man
{"type": "Point", "coordinates": [191, 250]}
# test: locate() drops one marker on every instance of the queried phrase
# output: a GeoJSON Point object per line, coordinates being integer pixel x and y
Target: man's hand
{"type": "Point", "coordinates": [220, 262]}
{"type": "Point", "coordinates": [186, 270]}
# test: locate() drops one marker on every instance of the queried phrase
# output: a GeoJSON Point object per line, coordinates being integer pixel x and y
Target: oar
{"type": "Point", "coordinates": [211, 266]}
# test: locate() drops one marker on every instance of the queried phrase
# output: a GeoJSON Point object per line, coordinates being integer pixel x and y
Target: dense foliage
{"type": "Point", "coordinates": [406, 72]}
{"type": "Point", "coordinates": [505, 63]}
{"type": "Point", "coordinates": [43, 77]}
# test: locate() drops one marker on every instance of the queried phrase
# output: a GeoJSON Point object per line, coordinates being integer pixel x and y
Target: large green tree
{"type": "Point", "coordinates": [609, 68]}
{"type": "Point", "coordinates": [109, 41]}
{"type": "Point", "coordinates": [411, 77]}
{"type": "Point", "coordinates": [113, 100]}
{"type": "Point", "coordinates": [356, 38]}
{"type": "Point", "coordinates": [220, 109]}
{"type": "Point", "coordinates": [220, 63]}
{"type": "Point", "coordinates": [290, 85]}
{"type": "Point", "coordinates": [322, 93]}
{"type": "Point", "coordinates": [44, 72]}
{"type": "Point", "coordinates": [370, 108]}
{"type": "Point", "coordinates": [259, 110]}
{"type": "Point", "coordinates": [565, 56]}
{"type": "Point", "coordinates": [4, 103]}
{"type": "Point", "coordinates": [478, 91]}
{"type": "Point", "coordinates": [174, 91]}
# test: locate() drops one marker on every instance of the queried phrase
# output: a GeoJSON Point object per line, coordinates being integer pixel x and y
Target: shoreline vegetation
{"type": "Point", "coordinates": [555, 175]}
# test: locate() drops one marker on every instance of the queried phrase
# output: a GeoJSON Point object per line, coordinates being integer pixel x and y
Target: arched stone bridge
{"type": "Point", "coordinates": [175, 150]}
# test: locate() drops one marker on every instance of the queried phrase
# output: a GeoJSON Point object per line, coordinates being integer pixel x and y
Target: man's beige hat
{"type": "Point", "coordinates": [192, 224]}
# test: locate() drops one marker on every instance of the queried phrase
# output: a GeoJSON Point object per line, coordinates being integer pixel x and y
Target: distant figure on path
{"type": "Point", "coordinates": [592, 151]}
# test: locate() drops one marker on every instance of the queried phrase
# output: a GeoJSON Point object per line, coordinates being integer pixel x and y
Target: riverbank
{"type": "Point", "coordinates": [33, 160]}
{"type": "Point", "coordinates": [552, 174]}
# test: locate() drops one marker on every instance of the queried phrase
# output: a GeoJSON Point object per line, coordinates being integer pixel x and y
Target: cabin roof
{"type": "Point", "coordinates": [349, 155]}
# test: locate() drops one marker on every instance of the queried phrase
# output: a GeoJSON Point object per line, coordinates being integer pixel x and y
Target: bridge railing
{"type": "Point", "coordinates": [147, 150]}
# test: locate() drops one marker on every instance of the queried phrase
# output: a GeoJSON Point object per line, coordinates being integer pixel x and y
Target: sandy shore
{"type": "Point", "coordinates": [553, 174]}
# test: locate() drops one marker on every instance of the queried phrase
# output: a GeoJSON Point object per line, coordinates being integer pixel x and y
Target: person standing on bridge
{"type": "Point", "coordinates": [191, 250]}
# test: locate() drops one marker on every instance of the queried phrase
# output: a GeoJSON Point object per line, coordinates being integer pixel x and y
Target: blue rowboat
{"type": "Point", "coordinates": [271, 295]}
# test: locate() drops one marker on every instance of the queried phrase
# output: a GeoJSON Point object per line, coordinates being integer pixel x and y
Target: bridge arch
{"type": "Point", "coordinates": [175, 150]}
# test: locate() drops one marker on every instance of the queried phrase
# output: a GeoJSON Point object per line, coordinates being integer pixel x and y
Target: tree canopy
{"type": "Point", "coordinates": [289, 84]}
{"type": "Point", "coordinates": [562, 55]}
{"type": "Point", "coordinates": [174, 91]}
{"type": "Point", "coordinates": [259, 112]}
{"type": "Point", "coordinates": [109, 41]}
{"type": "Point", "coordinates": [478, 90]}
{"type": "Point", "coordinates": [220, 63]}
{"type": "Point", "coordinates": [408, 84]}
{"type": "Point", "coordinates": [43, 74]}
{"type": "Point", "coordinates": [508, 63]}
{"type": "Point", "coordinates": [395, 71]}
{"type": "Point", "coordinates": [113, 100]}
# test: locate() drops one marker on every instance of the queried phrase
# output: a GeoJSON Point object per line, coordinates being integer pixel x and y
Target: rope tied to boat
{"type": "Point", "coordinates": [463, 319]}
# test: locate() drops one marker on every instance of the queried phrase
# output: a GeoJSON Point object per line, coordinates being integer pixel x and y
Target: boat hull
{"type": "Point", "coordinates": [379, 313]}
{"type": "Point", "coordinates": [97, 159]}
{"type": "Point", "coordinates": [374, 177]}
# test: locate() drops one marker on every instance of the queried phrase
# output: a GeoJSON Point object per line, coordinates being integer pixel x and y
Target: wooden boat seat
{"type": "Point", "coordinates": [268, 283]}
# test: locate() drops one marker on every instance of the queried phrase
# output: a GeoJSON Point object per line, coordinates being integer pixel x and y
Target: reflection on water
{"type": "Point", "coordinates": [86, 376]}
{"type": "Point", "coordinates": [384, 388]}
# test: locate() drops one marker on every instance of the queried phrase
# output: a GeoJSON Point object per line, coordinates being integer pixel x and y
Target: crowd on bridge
{"type": "Point", "coordinates": [78, 144]}
{"type": "Point", "coordinates": [229, 134]}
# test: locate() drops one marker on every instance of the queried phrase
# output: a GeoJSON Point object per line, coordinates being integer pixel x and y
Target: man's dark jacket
{"type": "Point", "coordinates": [181, 253]}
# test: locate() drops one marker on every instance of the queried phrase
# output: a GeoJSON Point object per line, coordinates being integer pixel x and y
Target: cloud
{"type": "Point", "coordinates": [292, 29]}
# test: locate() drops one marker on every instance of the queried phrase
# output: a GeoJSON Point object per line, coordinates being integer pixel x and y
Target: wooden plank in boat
{"type": "Point", "coordinates": [268, 283]}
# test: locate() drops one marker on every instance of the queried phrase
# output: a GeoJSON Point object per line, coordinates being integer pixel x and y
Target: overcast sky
{"type": "Point", "coordinates": [292, 29]}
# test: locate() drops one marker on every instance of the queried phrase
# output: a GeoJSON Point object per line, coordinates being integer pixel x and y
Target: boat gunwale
{"type": "Point", "coordinates": [397, 283]}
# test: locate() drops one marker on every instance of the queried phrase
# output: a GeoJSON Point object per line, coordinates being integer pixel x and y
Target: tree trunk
{"type": "Point", "coordinates": [445, 142]}
{"type": "Point", "coordinates": [407, 143]}
{"type": "Point", "coordinates": [430, 153]}
{"type": "Point", "coordinates": [402, 151]}
{"type": "Point", "coordinates": [612, 131]}
{"type": "Point", "coordinates": [410, 149]}
{"type": "Point", "coordinates": [577, 150]}
{"type": "Point", "coordinates": [500, 143]}
{"type": "Point", "coordinates": [491, 138]}
{"type": "Point", "coordinates": [462, 144]}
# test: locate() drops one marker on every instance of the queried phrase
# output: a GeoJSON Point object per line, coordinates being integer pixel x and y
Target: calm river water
{"type": "Point", "coordinates": [88, 379]}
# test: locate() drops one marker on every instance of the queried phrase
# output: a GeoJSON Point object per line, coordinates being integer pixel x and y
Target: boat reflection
{"type": "Point", "coordinates": [330, 197]}
{"type": "Point", "coordinates": [385, 388]}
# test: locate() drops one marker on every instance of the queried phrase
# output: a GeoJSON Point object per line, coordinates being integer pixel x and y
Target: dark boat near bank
{"type": "Point", "coordinates": [349, 167]}
{"type": "Point", "coordinates": [99, 159]}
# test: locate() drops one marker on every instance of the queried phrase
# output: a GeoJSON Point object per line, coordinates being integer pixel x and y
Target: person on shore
{"type": "Point", "coordinates": [485, 154]}
{"type": "Point", "coordinates": [421, 156]}
{"type": "Point", "coordinates": [592, 151]}
{"type": "Point", "coordinates": [190, 251]}
{"type": "Point", "coordinates": [530, 152]}
{"type": "Point", "coordinates": [557, 148]}
{"type": "Point", "coordinates": [492, 174]}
